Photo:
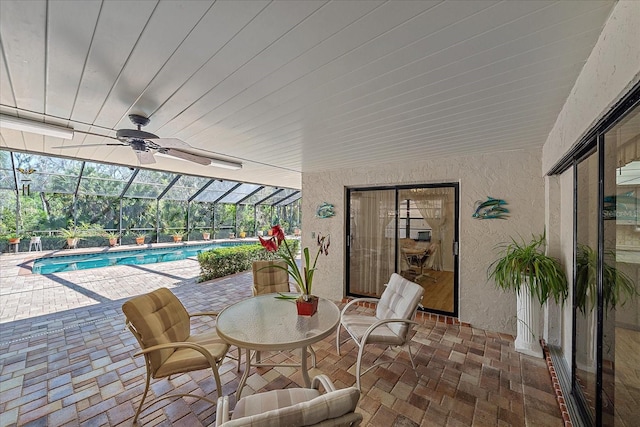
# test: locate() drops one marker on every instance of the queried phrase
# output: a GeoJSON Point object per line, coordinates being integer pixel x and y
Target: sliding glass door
{"type": "Point", "coordinates": [606, 350]}
{"type": "Point", "coordinates": [410, 230]}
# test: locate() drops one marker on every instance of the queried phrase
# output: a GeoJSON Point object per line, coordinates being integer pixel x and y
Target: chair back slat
{"type": "Point", "coordinates": [157, 318]}
{"type": "Point", "coordinates": [399, 300]}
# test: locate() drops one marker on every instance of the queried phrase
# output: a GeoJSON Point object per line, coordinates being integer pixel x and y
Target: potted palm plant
{"type": "Point", "coordinates": [72, 234]}
{"type": "Point", "coordinates": [112, 236]}
{"type": "Point", "coordinates": [177, 236]}
{"type": "Point", "coordinates": [526, 269]}
{"type": "Point", "coordinates": [306, 303]}
{"type": "Point", "coordinates": [140, 238]}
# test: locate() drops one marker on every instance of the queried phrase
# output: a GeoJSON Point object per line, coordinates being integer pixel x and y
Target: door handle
{"type": "Point", "coordinates": [455, 248]}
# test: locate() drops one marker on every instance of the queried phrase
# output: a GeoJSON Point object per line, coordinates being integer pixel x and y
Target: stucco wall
{"type": "Point", "coordinates": [612, 69]}
{"type": "Point", "coordinates": [514, 176]}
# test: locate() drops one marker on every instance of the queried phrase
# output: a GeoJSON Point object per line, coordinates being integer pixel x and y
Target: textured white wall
{"type": "Point", "coordinates": [613, 67]}
{"type": "Point", "coordinates": [514, 176]}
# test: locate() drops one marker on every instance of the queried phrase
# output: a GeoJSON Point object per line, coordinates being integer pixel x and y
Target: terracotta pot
{"type": "Point", "coordinates": [14, 241]}
{"type": "Point", "coordinates": [113, 241]}
{"type": "Point", "coordinates": [206, 236]}
{"type": "Point", "coordinates": [307, 308]}
{"type": "Point", "coordinates": [177, 239]}
{"type": "Point", "coordinates": [270, 232]}
{"type": "Point", "coordinates": [72, 242]}
{"type": "Point", "coordinates": [139, 240]}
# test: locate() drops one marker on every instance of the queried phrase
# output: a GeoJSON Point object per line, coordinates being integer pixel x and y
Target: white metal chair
{"type": "Point", "coordinates": [293, 407]}
{"type": "Point", "coordinates": [35, 243]}
{"type": "Point", "coordinates": [391, 324]}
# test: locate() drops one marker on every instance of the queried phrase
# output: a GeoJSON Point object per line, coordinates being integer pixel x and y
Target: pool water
{"type": "Point", "coordinates": [60, 264]}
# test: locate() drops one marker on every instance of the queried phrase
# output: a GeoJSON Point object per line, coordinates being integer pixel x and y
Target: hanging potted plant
{"type": "Point", "coordinates": [306, 303]}
{"type": "Point", "coordinates": [534, 276]}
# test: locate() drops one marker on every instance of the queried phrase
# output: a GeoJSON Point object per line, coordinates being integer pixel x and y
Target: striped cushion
{"type": "Point", "coordinates": [267, 280]}
{"type": "Point", "coordinates": [159, 318]}
{"type": "Point", "coordinates": [309, 408]}
{"type": "Point", "coordinates": [186, 359]}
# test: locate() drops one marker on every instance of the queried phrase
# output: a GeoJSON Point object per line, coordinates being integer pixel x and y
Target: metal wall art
{"type": "Point", "coordinates": [491, 209]}
{"type": "Point", "coordinates": [325, 210]}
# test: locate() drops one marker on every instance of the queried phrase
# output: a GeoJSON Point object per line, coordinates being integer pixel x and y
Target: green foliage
{"type": "Point", "coordinates": [224, 261]}
{"type": "Point", "coordinates": [522, 263]}
{"type": "Point", "coordinates": [617, 286]}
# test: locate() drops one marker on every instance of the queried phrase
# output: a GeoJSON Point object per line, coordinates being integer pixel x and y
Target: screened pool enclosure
{"type": "Point", "coordinates": [40, 195]}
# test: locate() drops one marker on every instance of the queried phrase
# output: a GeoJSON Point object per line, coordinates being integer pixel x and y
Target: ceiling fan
{"type": "Point", "coordinates": [146, 145]}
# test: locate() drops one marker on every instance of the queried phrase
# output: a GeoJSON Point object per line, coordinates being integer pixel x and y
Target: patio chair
{"type": "Point", "coordinates": [391, 324]}
{"type": "Point", "coordinates": [294, 407]}
{"type": "Point", "coordinates": [35, 243]}
{"type": "Point", "coordinates": [268, 279]}
{"type": "Point", "coordinates": [162, 327]}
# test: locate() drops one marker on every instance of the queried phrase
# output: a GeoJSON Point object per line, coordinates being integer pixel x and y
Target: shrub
{"type": "Point", "coordinates": [224, 261]}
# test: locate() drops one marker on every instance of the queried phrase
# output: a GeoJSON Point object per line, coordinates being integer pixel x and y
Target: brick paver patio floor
{"type": "Point", "coordinates": [66, 359]}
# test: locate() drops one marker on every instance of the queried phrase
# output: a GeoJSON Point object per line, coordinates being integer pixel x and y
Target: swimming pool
{"type": "Point", "coordinates": [58, 264]}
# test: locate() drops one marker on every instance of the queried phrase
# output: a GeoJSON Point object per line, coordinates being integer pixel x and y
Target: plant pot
{"type": "Point", "coordinates": [177, 239]}
{"type": "Point", "coordinates": [14, 241]}
{"type": "Point", "coordinates": [206, 236]}
{"type": "Point", "coordinates": [270, 232]}
{"type": "Point", "coordinates": [113, 241]}
{"type": "Point", "coordinates": [296, 231]}
{"type": "Point", "coordinates": [139, 240]}
{"type": "Point", "coordinates": [72, 242]}
{"type": "Point", "coordinates": [243, 234]}
{"type": "Point", "coordinates": [232, 235]}
{"type": "Point", "coordinates": [307, 308]}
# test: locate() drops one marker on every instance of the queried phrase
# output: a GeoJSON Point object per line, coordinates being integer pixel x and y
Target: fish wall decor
{"type": "Point", "coordinates": [490, 209]}
{"type": "Point", "coordinates": [325, 210]}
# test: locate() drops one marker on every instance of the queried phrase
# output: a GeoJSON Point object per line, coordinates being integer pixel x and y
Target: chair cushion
{"type": "Point", "coordinates": [399, 300]}
{"type": "Point", "coordinates": [186, 359]}
{"type": "Point", "coordinates": [356, 325]}
{"type": "Point", "coordinates": [269, 280]}
{"type": "Point", "coordinates": [159, 318]}
{"type": "Point", "coordinates": [272, 409]}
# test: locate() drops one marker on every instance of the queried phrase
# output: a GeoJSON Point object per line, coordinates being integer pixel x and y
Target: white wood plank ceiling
{"type": "Point", "coordinates": [293, 86]}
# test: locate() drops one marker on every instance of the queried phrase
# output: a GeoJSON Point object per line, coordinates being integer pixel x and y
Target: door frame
{"type": "Point", "coordinates": [397, 189]}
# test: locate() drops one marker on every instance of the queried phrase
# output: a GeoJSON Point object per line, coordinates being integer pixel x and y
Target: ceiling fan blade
{"type": "Point", "coordinates": [145, 157]}
{"type": "Point", "coordinates": [188, 156]}
{"type": "Point", "coordinates": [171, 143]}
{"type": "Point", "coordinates": [85, 145]}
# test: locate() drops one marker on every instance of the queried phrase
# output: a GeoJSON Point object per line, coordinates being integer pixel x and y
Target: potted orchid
{"type": "Point", "coordinates": [307, 303]}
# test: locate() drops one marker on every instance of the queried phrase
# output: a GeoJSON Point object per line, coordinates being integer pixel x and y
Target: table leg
{"type": "Point", "coordinates": [303, 367]}
{"type": "Point", "coordinates": [245, 375]}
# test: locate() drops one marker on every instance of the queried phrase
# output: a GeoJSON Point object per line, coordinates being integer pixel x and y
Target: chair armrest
{"type": "Point", "coordinates": [356, 300]}
{"type": "Point", "coordinates": [323, 380]}
{"type": "Point", "coordinates": [371, 328]}
{"type": "Point", "coordinates": [222, 410]}
{"type": "Point", "coordinates": [204, 313]}
{"type": "Point", "coordinates": [181, 344]}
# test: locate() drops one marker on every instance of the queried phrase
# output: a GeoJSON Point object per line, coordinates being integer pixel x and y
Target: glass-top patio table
{"type": "Point", "coordinates": [266, 323]}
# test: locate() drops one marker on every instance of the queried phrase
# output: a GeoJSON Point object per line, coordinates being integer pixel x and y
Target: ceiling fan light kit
{"type": "Point", "coordinates": [31, 126]}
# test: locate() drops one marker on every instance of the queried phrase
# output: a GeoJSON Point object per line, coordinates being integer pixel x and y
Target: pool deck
{"type": "Point", "coordinates": [66, 359]}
